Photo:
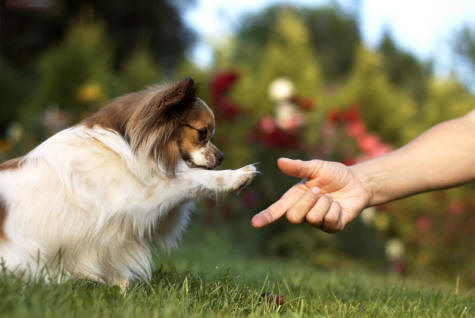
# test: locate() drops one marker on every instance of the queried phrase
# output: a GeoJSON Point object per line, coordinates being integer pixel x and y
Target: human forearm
{"type": "Point", "coordinates": [441, 157]}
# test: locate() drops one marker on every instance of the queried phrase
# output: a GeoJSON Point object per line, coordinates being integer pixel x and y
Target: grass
{"type": "Point", "coordinates": [208, 278]}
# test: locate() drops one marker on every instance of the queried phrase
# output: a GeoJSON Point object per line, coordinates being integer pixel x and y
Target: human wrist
{"type": "Point", "coordinates": [367, 181]}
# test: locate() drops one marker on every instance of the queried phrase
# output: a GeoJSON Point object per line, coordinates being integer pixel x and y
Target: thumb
{"type": "Point", "coordinates": [299, 168]}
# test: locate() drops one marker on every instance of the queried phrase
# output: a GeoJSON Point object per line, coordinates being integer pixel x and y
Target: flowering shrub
{"type": "Point", "coordinates": [226, 109]}
{"type": "Point", "coordinates": [408, 235]}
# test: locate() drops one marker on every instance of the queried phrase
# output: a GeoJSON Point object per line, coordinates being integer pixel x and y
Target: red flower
{"type": "Point", "coordinates": [267, 125]}
{"type": "Point", "coordinates": [334, 116]}
{"type": "Point", "coordinates": [210, 203]}
{"type": "Point", "coordinates": [355, 128]}
{"type": "Point", "coordinates": [249, 198]}
{"type": "Point", "coordinates": [223, 81]}
{"type": "Point", "coordinates": [220, 85]}
{"type": "Point", "coordinates": [307, 103]}
{"type": "Point", "coordinates": [352, 114]}
{"type": "Point", "coordinates": [271, 136]}
{"type": "Point", "coordinates": [349, 161]}
{"type": "Point", "coordinates": [226, 108]}
{"type": "Point", "coordinates": [226, 212]}
{"type": "Point", "coordinates": [349, 115]}
{"type": "Point", "coordinates": [399, 266]}
{"type": "Point", "coordinates": [456, 208]}
{"type": "Point", "coordinates": [304, 103]}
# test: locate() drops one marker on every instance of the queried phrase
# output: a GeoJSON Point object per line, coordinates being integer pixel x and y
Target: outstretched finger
{"type": "Point", "coordinates": [299, 168]}
{"type": "Point", "coordinates": [278, 209]}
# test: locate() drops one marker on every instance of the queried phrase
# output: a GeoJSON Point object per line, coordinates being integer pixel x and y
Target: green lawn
{"type": "Point", "coordinates": [208, 278]}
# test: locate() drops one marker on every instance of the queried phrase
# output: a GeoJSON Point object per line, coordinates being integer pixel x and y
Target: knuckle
{"type": "Point", "coordinates": [314, 219]}
{"type": "Point", "coordinates": [269, 216]}
{"type": "Point", "coordinates": [324, 204]}
{"type": "Point", "coordinates": [293, 217]}
{"type": "Point", "coordinates": [331, 220]}
{"type": "Point", "coordinates": [328, 199]}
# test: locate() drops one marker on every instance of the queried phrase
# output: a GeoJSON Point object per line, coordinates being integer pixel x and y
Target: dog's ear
{"type": "Point", "coordinates": [154, 126]}
{"type": "Point", "coordinates": [176, 99]}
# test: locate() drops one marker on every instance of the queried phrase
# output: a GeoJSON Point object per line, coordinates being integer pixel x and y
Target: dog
{"type": "Point", "coordinates": [94, 199]}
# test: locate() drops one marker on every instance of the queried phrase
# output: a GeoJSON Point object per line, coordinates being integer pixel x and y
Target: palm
{"type": "Point", "coordinates": [339, 181]}
{"type": "Point", "coordinates": [333, 178]}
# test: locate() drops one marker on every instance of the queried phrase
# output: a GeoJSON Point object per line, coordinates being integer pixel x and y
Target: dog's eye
{"type": "Point", "coordinates": [203, 134]}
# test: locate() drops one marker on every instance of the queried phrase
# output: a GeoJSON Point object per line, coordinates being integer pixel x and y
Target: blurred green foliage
{"type": "Point", "coordinates": [83, 57]}
{"type": "Point", "coordinates": [27, 28]}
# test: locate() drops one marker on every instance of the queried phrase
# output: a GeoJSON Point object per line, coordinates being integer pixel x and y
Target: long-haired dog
{"type": "Point", "coordinates": [102, 193]}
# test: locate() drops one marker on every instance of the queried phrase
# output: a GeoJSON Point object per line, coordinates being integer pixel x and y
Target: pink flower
{"type": "Point", "coordinates": [267, 125]}
{"type": "Point", "coordinates": [328, 130]}
{"type": "Point", "coordinates": [369, 142]}
{"type": "Point", "coordinates": [423, 223]}
{"type": "Point", "coordinates": [293, 123]}
{"type": "Point", "coordinates": [380, 150]}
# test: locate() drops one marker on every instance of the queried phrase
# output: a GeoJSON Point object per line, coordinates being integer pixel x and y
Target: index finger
{"type": "Point", "coordinates": [278, 209]}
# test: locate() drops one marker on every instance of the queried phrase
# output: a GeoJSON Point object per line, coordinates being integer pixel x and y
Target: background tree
{"type": "Point", "coordinates": [332, 33]}
{"type": "Point", "coordinates": [403, 69]}
{"type": "Point", "coordinates": [288, 53]}
{"type": "Point", "coordinates": [464, 47]}
{"type": "Point", "coordinates": [26, 30]}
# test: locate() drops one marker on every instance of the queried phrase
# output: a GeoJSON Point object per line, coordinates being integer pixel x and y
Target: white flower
{"type": "Point", "coordinates": [281, 89]}
{"type": "Point", "coordinates": [15, 131]}
{"type": "Point", "coordinates": [288, 116]}
{"type": "Point", "coordinates": [394, 248]}
{"type": "Point", "coordinates": [368, 215]}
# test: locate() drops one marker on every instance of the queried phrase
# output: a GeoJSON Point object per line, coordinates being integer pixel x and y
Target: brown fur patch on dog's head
{"type": "Point", "coordinates": [152, 120]}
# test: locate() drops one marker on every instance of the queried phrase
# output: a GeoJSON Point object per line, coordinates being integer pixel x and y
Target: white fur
{"type": "Point", "coordinates": [199, 156]}
{"type": "Point", "coordinates": [82, 203]}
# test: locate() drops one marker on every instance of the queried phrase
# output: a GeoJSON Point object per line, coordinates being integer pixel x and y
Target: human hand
{"type": "Point", "coordinates": [331, 196]}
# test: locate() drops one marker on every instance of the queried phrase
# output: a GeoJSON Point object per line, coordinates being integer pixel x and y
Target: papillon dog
{"type": "Point", "coordinates": [92, 200]}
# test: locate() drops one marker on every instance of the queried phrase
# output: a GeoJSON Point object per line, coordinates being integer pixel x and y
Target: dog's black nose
{"type": "Point", "coordinates": [219, 158]}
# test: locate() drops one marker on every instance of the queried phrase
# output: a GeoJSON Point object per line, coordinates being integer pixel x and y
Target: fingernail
{"type": "Point", "coordinates": [315, 190]}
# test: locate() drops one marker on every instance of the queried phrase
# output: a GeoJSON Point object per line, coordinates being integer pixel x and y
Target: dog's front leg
{"type": "Point", "coordinates": [222, 180]}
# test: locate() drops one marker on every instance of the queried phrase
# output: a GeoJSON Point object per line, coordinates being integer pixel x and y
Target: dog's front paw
{"type": "Point", "coordinates": [244, 177]}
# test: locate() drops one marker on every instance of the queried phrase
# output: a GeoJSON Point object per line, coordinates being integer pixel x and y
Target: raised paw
{"type": "Point", "coordinates": [245, 176]}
